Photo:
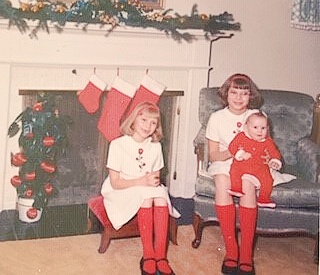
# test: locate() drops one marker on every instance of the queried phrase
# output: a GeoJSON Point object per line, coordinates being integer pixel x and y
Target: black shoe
{"type": "Point", "coordinates": [229, 270]}
{"type": "Point", "coordinates": [142, 261]}
{"type": "Point", "coordinates": [244, 272]}
{"type": "Point", "coordinates": [163, 273]}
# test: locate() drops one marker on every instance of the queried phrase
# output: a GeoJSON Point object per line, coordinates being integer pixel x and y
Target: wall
{"type": "Point", "coordinates": [267, 48]}
{"type": "Point", "coordinates": [275, 55]}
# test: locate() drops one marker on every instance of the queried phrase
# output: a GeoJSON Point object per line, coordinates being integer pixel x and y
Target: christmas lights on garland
{"type": "Point", "coordinates": [114, 14]}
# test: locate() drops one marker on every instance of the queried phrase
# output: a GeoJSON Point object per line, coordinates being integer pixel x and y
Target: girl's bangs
{"type": "Point", "coordinates": [240, 83]}
{"type": "Point", "coordinates": [150, 112]}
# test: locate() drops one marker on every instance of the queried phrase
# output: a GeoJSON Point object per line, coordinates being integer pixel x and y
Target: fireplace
{"type": "Point", "coordinates": [81, 170]}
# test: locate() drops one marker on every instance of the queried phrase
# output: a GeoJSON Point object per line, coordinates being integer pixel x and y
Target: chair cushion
{"type": "Point", "coordinates": [294, 194]}
{"type": "Point", "coordinates": [96, 205]}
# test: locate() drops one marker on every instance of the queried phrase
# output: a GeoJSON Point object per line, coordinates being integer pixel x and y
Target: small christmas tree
{"type": "Point", "coordinates": [42, 140]}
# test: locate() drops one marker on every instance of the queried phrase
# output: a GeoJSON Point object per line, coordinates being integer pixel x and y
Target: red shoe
{"type": "Point", "coordinates": [161, 272]}
{"type": "Point", "coordinates": [229, 270]}
{"type": "Point", "coordinates": [143, 272]}
{"type": "Point", "coordinates": [245, 272]}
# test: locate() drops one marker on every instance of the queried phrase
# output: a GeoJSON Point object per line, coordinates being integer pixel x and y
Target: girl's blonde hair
{"type": "Point", "coordinates": [244, 82]}
{"type": "Point", "coordinates": [149, 109]}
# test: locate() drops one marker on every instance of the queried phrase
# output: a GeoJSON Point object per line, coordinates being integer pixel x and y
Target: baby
{"type": "Point", "coordinates": [254, 154]}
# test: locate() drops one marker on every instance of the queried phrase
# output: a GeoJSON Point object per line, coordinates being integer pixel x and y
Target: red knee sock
{"type": "Point", "coordinates": [161, 223]}
{"type": "Point", "coordinates": [227, 219]}
{"type": "Point", "coordinates": [145, 223]}
{"type": "Point", "coordinates": [248, 219]}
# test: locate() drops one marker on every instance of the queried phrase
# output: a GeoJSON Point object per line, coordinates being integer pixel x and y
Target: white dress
{"type": "Point", "coordinates": [132, 160]}
{"type": "Point", "coordinates": [222, 127]}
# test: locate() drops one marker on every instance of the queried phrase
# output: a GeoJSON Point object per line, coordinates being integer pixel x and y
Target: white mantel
{"type": "Point", "coordinates": [47, 63]}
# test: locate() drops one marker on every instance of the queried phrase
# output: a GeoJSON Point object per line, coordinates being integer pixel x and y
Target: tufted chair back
{"type": "Point", "coordinates": [291, 116]}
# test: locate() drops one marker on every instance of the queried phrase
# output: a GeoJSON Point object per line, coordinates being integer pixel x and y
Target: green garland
{"type": "Point", "coordinates": [114, 14]}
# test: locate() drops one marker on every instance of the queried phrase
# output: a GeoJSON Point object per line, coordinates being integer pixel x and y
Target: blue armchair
{"type": "Point", "coordinates": [297, 211]}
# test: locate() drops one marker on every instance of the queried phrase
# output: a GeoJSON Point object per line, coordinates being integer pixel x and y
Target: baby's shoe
{"type": "Point", "coordinates": [235, 193]}
{"type": "Point", "coordinates": [266, 203]}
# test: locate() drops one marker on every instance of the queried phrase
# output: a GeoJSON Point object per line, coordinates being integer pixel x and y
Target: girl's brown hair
{"type": "Point", "coordinates": [149, 109]}
{"type": "Point", "coordinates": [244, 82]}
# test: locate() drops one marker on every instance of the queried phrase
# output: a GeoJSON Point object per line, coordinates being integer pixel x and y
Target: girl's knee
{"type": "Point", "coordinates": [160, 202]}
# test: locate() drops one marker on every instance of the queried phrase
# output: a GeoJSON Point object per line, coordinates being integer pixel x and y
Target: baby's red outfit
{"type": "Point", "coordinates": [256, 166]}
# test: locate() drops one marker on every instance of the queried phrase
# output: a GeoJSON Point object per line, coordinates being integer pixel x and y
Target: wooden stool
{"type": "Point", "coordinates": [130, 229]}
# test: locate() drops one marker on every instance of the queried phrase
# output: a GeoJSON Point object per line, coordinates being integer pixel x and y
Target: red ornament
{"type": "Point", "coordinates": [30, 176]}
{"type": "Point", "coordinates": [32, 213]}
{"type": "Point", "coordinates": [48, 188]}
{"type": "Point", "coordinates": [47, 167]}
{"type": "Point", "coordinates": [239, 124]}
{"type": "Point", "coordinates": [140, 151]}
{"type": "Point", "coordinates": [28, 192]}
{"type": "Point", "coordinates": [48, 141]}
{"type": "Point", "coordinates": [37, 107]}
{"type": "Point", "coordinates": [16, 181]}
{"type": "Point", "coordinates": [18, 159]}
{"type": "Point", "coordinates": [22, 157]}
{"type": "Point", "coordinates": [15, 161]}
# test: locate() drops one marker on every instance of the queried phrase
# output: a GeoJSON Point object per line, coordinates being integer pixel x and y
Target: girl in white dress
{"type": "Point", "coordinates": [133, 185]}
{"type": "Point", "coordinates": [238, 94]}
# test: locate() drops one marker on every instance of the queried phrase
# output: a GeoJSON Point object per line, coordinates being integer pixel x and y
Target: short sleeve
{"type": "Point", "coordinates": [211, 130]}
{"type": "Point", "coordinates": [158, 162]}
{"type": "Point", "coordinates": [114, 154]}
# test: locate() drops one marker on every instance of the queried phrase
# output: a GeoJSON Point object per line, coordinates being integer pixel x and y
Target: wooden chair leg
{"type": "Point", "coordinates": [197, 227]}
{"type": "Point", "coordinates": [173, 230]}
{"type": "Point", "coordinates": [316, 250]}
{"type": "Point", "coordinates": [105, 240]}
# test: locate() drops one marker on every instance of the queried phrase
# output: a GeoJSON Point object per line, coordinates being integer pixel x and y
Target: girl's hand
{"type": "Point", "coordinates": [151, 179]}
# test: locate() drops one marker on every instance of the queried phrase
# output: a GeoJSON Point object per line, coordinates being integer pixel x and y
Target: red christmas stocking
{"type": "Point", "coordinates": [115, 104]}
{"type": "Point", "coordinates": [149, 90]}
{"type": "Point", "coordinates": [89, 97]}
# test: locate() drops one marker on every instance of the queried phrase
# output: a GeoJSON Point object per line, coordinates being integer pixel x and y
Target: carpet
{"type": "Point", "coordinates": [77, 255]}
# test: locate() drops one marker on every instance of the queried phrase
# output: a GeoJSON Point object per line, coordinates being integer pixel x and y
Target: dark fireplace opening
{"type": "Point", "coordinates": [81, 170]}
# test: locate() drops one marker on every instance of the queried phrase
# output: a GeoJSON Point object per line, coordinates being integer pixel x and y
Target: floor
{"type": "Point", "coordinates": [56, 221]}
{"type": "Point", "coordinates": [78, 255]}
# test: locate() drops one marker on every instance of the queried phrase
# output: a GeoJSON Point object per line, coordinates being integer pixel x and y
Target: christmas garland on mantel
{"type": "Point", "coordinates": [114, 14]}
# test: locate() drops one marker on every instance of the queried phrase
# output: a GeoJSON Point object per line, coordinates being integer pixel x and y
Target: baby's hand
{"type": "Point", "coordinates": [274, 165]}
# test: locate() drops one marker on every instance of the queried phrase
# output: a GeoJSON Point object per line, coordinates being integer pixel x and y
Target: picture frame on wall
{"type": "Point", "coordinates": [155, 4]}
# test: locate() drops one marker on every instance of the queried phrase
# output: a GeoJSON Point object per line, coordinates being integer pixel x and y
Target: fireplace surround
{"type": "Point", "coordinates": [49, 62]}
{"type": "Point", "coordinates": [81, 170]}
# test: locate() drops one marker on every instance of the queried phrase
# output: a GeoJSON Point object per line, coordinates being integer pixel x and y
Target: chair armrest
{"type": "Point", "coordinates": [199, 148]}
{"type": "Point", "coordinates": [199, 151]}
{"type": "Point", "coordinates": [308, 156]}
